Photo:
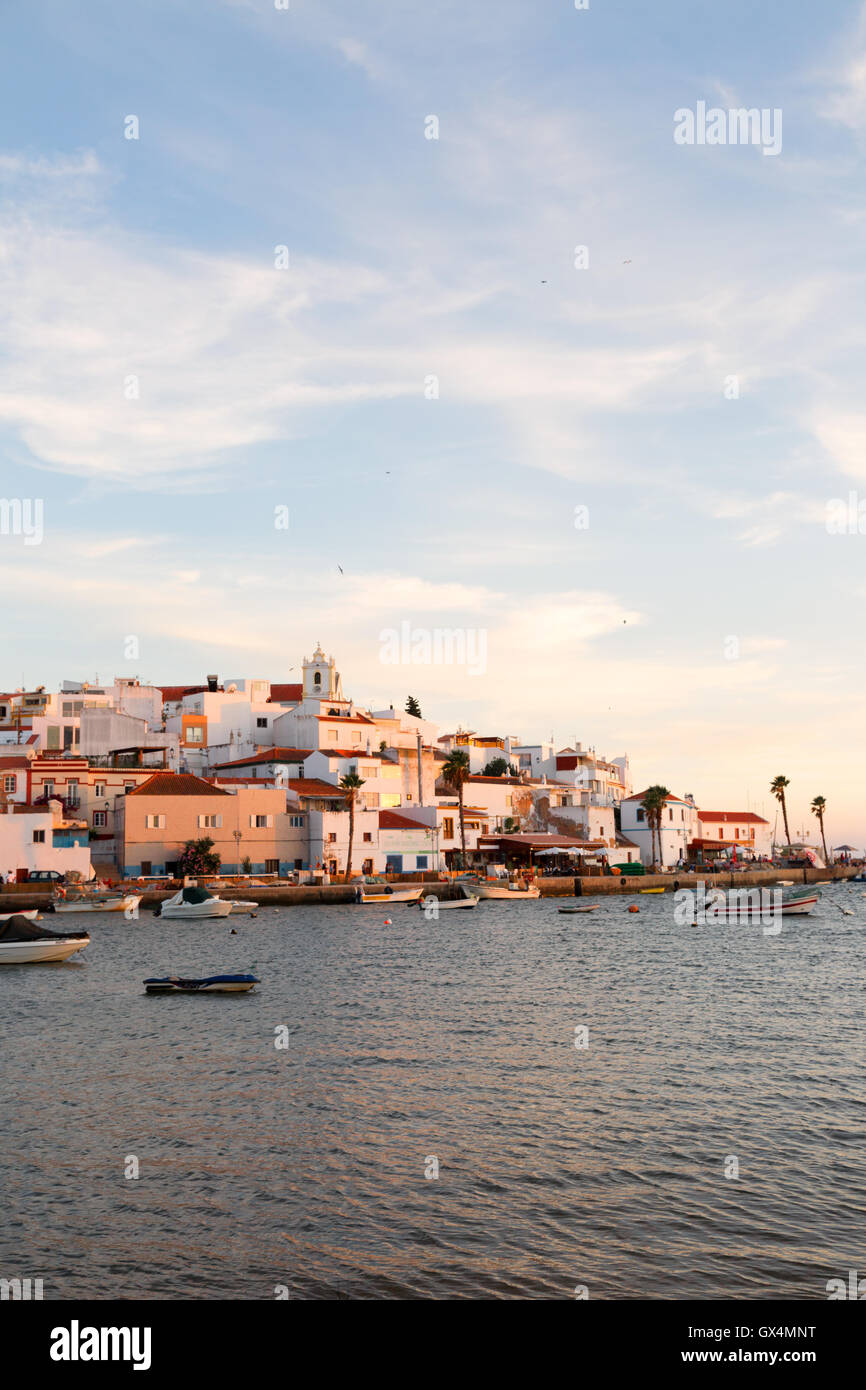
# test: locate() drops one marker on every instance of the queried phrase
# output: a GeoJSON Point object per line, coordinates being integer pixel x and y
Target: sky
{"type": "Point", "coordinates": [417, 318]}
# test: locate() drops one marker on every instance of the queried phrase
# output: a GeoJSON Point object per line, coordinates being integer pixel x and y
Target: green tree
{"type": "Point", "coordinates": [455, 770]}
{"type": "Point", "coordinates": [777, 787]}
{"type": "Point", "coordinates": [818, 808]}
{"type": "Point", "coordinates": [653, 804]}
{"type": "Point", "coordinates": [498, 767]}
{"type": "Point", "coordinates": [199, 857]}
{"type": "Point", "coordinates": [412, 707]}
{"type": "Point", "coordinates": [351, 785]}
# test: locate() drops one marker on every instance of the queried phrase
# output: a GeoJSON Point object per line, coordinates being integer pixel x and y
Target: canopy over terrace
{"type": "Point", "coordinates": [523, 848]}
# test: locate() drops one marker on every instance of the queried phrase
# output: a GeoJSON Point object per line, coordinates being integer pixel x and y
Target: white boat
{"type": "Point", "coordinates": [242, 905]}
{"type": "Point", "coordinates": [194, 904]}
{"type": "Point", "coordinates": [589, 907]}
{"type": "Point", "coordinates": [743, 911]}
{"type": "Point", "coordinates": [509, 892]}
{"type": "Point", "coordinates": [445, 904]}
{"type": "Point", "coordinates": [118, 903]}
{"type": "Point", "coordinates": [22, 942]}
{"type": "Point", "coordinates": [32, 915]}
{"type": "Point", "coordinates": [378, 891]}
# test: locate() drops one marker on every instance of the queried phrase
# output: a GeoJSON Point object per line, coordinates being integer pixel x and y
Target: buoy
{"type": "Point", "coordinates": [633, 907]}
{"type": "Point", "coordinates": [233, 932]}
{"type": "Point", "coordinates": [388, 922]}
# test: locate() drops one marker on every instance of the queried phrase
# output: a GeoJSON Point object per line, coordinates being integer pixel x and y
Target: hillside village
{"type": "Point", "coordinates": [123, 776]}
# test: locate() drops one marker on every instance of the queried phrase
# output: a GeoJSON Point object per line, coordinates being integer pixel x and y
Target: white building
{"type": "Point", "coordinates": [32, 839]}
{"type": "Point", "coordinates": [724, 831]}
{"type": "Point", "coordinates": [679, 828]}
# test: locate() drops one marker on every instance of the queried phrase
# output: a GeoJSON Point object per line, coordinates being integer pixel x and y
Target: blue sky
{"type": "Point", "coordinates": [408, 258]}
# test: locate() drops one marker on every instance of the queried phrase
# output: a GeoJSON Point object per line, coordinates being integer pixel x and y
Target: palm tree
{"type": "Point", "coordinates": [351, 784]}
{"type": "Point", "coordinates": [818, 807]}
{"type": "Point", "coordinates": [777, 787]}
{"type": "Point", "coordinates": [455, 770]}
{"type": "Point", "coordinates": [653, 803]}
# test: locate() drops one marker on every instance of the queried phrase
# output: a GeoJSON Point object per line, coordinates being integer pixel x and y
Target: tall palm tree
{"type": "Point", "coordinates": [653, 803]}
{"type": "Point", "coordinates": [818, 808]}
{"type": "Point", "coordinates": [351, 784]}
{"type": "Point", "coordinates": [455, 770]}
{"type": "Point", "coordinates": [777, 787]}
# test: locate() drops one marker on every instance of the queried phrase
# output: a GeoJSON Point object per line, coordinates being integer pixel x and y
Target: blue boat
{"type": "Point", "coordinates": [213, 984]}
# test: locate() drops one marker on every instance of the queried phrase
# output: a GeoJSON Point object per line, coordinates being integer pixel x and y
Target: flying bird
{"type": "Point", "coordinates": [340, 568]}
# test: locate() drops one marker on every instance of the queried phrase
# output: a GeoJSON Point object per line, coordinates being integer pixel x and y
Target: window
{"type": "Point", "coordinates": [72, 789]}
{"type": "Point", "coordinates": [99, 789]}
{"type": "Point", "coordinates": [332, 838]}
{"type": "Point", "coordinates": [68, 733]}
{"type": "Point", "coordinates": [9, 784]}
{"type": "Point", "coordinates": [48, 787]}
{"type": "Point", "coordinates": [317, 679]}
{"type": "Point", "coordinates": [641, 815]}
{"type": "Point", "coordinates": [194, 734]}
{"type": "Point", "coordinates": [670, 814]}
{"type": "Point", "coordinates": [420, 861]}
{"type": "Point", "coordinates": [368, 836]}
{"type": "Point", "coordinates": [154, 822]}
{"type": "Point", "coordinates": [448, 828]}
{"type": "Point", "coordinates": [296, 822]}
{"type": "Point", "coordinates": [332, 735]}
{"type": "Point", "coordinates": [261, 723]}
{"type": "Point", "coordinates": [39, 837]}
{"type": "Point", "coordinates": [209, 822]}
{"type": "Point", "coordinates": [261, 822]}
{"type": "Point", "coordinates": [721, 834]}
{"type": "Point", "coordinates": [99, 818]}
{"type": "Point", "coordinates": [272, 866]}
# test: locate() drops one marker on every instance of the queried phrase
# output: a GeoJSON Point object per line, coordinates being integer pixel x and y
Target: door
{"type": "Point", "coordinates": [394, 864]}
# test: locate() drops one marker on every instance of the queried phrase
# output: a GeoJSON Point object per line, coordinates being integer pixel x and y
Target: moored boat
{"type": "Point", "coordinates": [117, 902]}
{"type": "Point", "coordinates": [22, 942]}
{"type": "Point", "coordinates": [589, 907]}
{"type": "Point", "coordinates": [193, 905]}
{"type": "Point", "coordinates": [376, 890]}
{"type": "Point", "coordinates": [509, 892]}
{"type": "Point", "coordinates": [31, 915]}
{"type": "Point", "coordinates": [211, 984]}
{"type": "Point", "coordinates": [445, 904]}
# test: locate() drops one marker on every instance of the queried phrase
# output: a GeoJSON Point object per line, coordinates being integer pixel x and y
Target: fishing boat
{"type": "Point", "coordinates": [589, 907]}
{"type": "Point", "coordinates": [445, 904]}
{"type": "Point", "coordinates": [22, 942]}
{"type": "Point", "coordinates": [507, 892]}
{"type": "Point", "coordinates": [95, 902]}
{"type": "Point", "coordinates": [192, 905]}
{"type": "Point", "coordinates": [376, 890]}
{"type": "Point", "coordinates": [32, 915]}
{"type": "Point", "coordinates": [212, 984]}
{"type": "Point", "coordinates": [756, 908]}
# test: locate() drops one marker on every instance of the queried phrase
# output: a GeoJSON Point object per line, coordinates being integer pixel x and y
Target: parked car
{"type": "Point", "coordinates": [45, 876]}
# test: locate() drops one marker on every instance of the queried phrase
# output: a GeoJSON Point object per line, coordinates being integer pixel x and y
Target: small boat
{"type": "Point", "coordinates": [32, 915]}
{"type": "Point", "coordinates": [734, 911]}
{"type": "Point", "coordinates": [652, 890]}
{"type": "Point", "coordinates": [22, 942]}
{"type": "Point", "coordinates": [376, 890]}
{"type": "Point", "coordinates": [590, 907]}
{"type": "Point", "coordinates": [126, 902]}
{"type": "Point", "coordinates": [445, 904]}
{"type": "Point", "coordinates": [507, 892]}
{"type": "Point", "coordinates": [213, 984]}
{"type": "Point", "coordinates": [784, 883]}
{"type": "Point", "coordinates": [193, 904]}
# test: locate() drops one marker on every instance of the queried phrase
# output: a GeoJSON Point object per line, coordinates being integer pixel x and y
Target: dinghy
{"type": "Point", "coordinates": [590, 907]}
{"type": "Point", "coordinates": [125, 902]}
{"type": "Point", "coordinates": [212, 984]}
{"type": "Point", "coordinates": [376, 890]}
{"type": "Point", "coordinates": [32, 915]}
{"type": "Point", "coordinates": [22, 942]}
{"type": "Point", "coordinates": [192, 904]}
{"type": "Point", "coordinates": [509, 893]}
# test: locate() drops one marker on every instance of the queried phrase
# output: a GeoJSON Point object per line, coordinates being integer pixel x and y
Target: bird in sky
{"type": "Point", "coordinates": [340, 568]}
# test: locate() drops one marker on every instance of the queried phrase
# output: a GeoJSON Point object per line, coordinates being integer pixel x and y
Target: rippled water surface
{"type": "Point", "coordinates": [558, 1166]}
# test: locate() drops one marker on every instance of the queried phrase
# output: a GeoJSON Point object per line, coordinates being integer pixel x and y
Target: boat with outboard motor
{"type": "Point", "coordinates": [510, 892]}
{"type": "Point", "coordinates": [370, 889]}
{"type": "Point", "coordinates": [84, 900]}
{"type": "Point", "coordinates": [23, 942]}
{"type": "Point", "coordinates": [445, 904]}
{"type": "Point", "coordinates": [192, 905]}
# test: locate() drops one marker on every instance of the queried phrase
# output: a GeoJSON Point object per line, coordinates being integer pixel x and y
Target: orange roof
{"type": "Point", "coordinates": [176, 784]}
{"type": "Point", "coordinates": [344, 719]}
{"type": "Point", "coordinates": [171, 693]}
{"type": "Point", "coordinates": [286, 694]}
{"type": "Point", "coordinates": [639, 796]}
{"type": "Point", "coordinates": [269, 755]}
{"type": "Point", "coordinates": [731, 816]}
{"type": "Point", "coordinates": [314, 786]}
{"type": "Point", "coordinates": [391, 820]}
